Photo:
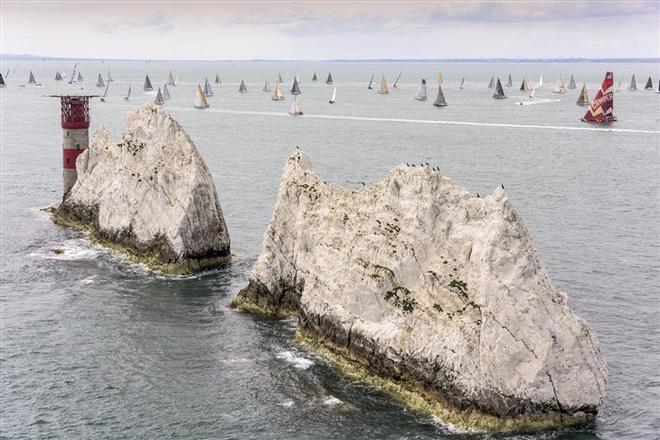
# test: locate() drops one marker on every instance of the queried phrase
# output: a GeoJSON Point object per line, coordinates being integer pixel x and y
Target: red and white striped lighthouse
{"type": "Point", "coordinates": [75, 131]}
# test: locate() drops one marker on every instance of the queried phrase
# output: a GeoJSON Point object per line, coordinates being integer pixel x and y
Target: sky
{"type": "Point", "coordinates": [323, 30]}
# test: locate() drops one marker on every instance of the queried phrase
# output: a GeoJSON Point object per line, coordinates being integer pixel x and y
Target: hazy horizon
{"type": "Point", "coordinates": [330, 30]}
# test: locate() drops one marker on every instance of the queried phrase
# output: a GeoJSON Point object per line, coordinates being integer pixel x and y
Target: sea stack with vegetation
{"type": "Point", "coordinates": [434, 294]}
{"type": "Point", "coordinates": [150, 195]}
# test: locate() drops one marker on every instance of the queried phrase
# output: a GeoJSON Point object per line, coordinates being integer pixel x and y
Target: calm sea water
{"type": "Point", "coordinates": [93, 347]}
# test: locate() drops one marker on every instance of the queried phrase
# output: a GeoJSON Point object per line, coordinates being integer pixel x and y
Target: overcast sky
{"type": "Point", "coordinates": [316, 30]}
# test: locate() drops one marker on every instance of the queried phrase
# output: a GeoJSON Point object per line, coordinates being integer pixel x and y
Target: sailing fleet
{"type": "Point", "coordinates": [600, 109]}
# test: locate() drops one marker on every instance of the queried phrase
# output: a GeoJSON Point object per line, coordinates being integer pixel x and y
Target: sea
{"type": "Point", "coordinates": [94, 347]}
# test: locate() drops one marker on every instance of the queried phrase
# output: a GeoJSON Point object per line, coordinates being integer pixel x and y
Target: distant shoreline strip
{"type": "Point", "coordinates": [427, 121]}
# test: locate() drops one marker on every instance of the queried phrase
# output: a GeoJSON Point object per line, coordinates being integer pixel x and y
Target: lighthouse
{"type": "Point", "coordinates": [75, 134]}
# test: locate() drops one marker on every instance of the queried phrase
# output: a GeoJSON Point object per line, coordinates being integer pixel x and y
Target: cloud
{"type": "Point", "coordinates": [157, 23]}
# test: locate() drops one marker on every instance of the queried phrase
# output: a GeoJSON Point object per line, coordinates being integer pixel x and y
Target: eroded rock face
{"type": "Point", "coordinates": [150, 193]}
{"type": "Point", "coordinates": [421, 283]}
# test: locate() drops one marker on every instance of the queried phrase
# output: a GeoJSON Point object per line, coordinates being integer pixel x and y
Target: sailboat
{"type": "Point", "coordinates": [295, 110]}
{"type": "Point", "coordinates": [217, 79]}
{"type": "Point", "coordinates": [314, 78]}
{"type": "Point", "coordinates": [440, 99]}
{"type": "Point", "coordinates": [266, 87]}
{"type": "Point", "coordinates": [524, 87]}
{"type": "Point", "coordinates": [279, 77]}
{"type": "Point", "coordinates": [440, 78]}
{"type": "Point", "coordinates": [491, 84]}
{"type": "Point", "coordinates": [499, 91]}
{"type": "Point", "coordinates": [633, 84]}
{"type": "Point", "coordinates": [371, 82]}
{"type": "Point", "coordinates": [277, 93]}
{"type": "Point", "coordinates": [334, 95]}
{"type": "Point", "coordinates": [559, 86]}
{"type": "Point", "coordinates": [208, 91]}
{"type": "Point", "coordinates": [571, 83]}
{"type": "Point", "coordinates": [242, 88]}
{"type": "Point", "coordinates": [105, 93]}
{"type": "Point", "coordinates": [540, 84]}
{"type": "Point", "coordinates": [166, 93]}
{"type": "Point", "coordinates": [2, 81]}
{"type": "Point", "coordinates": [58, 76]}
{"type": "Point", "coordinates": [80, 77]}
{"type": "Point", "coordinates": [396, 81]}
{"type": "Point", "coordinates": [531, 95]}
{"type": "Point", "coordinates": [658, 91]}
{"type": "Point", "coordinates": [159, 98]}
{"type": "Point", "coordinates": [128, 95]}
{"type": "Point", "coordinates": [109, 78]}
{"type": "Point", "coordinates": [200, 99]}
{"type": "Point", "coordinates": [583, 99]}
{"type": "Point", "coordinates": [329, 79]}
{"type": "Point", "coordinates": [147, 84]}
{"type": "Point", "coordinates": [295, 87]}
{"type": "Point", "coordinates": [170, 79]}
{"type": "Point", "coordinates": [462, 83]}
{"type": "Point", "coordinates": [602, 107]}
{"type": "Point", "coordinates": [649, 84]}
{"type": "Point", "coordinates": [99, 81]}
{"type": "Point", "coordinates": [421, 92]}
{"type": "Point", "coordinates": [383, 86]}
{"type": "Point", "coordinates": [509, 83]}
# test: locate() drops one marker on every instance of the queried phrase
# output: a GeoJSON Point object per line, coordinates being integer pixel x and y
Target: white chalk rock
{"type": "Point", "coordinates": [426, 284]}
{"type": "Point", "coordinates": [152, 193]}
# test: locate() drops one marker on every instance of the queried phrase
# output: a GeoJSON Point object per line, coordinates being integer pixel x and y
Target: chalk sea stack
{"type": "Point", "coordinates": [435, 294]}
{"type": "Point", "coordinates": [149, 194]}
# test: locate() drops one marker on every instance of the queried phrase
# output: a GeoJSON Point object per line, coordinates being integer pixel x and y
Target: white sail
{"type": "Point", "coordinates": [80, 77]}
{"type": "Point", "coordinates": [583, 99]}
{"type": "Point", "coordinates": [58, 76]}
{"type": "Point", "coordinates": [383, 86]}
{"type": "Point", "coordinates": [295, 110]}
{"type": "Point", "coordinates": [159, 98]}
{"type": "Point", "coordinates": [371, 82]}
{"type": "Point", "coordinates": [217, 79]}
{"type": "Point", "coordinates": [266, 87]}
{"type": "Point", "coordinates": [421, 92]}
{"type": "Point", "coordinates": [540, 84]}
{"type": "Point", "coordinates": [128, 95]}
{"type": "Point", "coordinates": [491, 84]}
{"type": "Point", "coordinates": [147, 84]}
{"type": "Point", "coordinates": [559, 86]}
{"type": "Point", "coordinates": [200, 99]}
{"type": "Point", "coordinates": [170, 79]}
{"type": "Point", "coordinates": [242, 88]}
{"type": "Point", "coordinates": [166, 93]}
{"type": "Point", "coordinates": [208, 91]}
{"type": "Point", "coordinates": [110, 77]}
{"type": "Point", "coordinates": [334, 95]}
{"type": "Point", "coordinates": [277, 93]}
{"type": "Point", "coordinates": [440, 78]}
{"type": "Point", "coordinates": [105, 93]}
{"type": "Point", "coordinates": [99, 81]}
{"type": "Point", "coordinates": [531, 95]}
{"type": "Point", "coordinates": [462, 83]}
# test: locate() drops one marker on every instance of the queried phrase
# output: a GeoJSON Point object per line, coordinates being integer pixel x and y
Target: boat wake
{"type": "Point", "coordinates": [537, 101]}
{"type": "Point", "coordinates": [428, 121]}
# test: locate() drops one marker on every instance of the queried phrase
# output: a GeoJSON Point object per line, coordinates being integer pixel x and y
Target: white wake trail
{"type": "Point", "coordinates": [424, 121]}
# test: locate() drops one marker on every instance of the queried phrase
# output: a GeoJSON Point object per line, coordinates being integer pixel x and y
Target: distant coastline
{"type": "Point", "coordinates": [29, 57]}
